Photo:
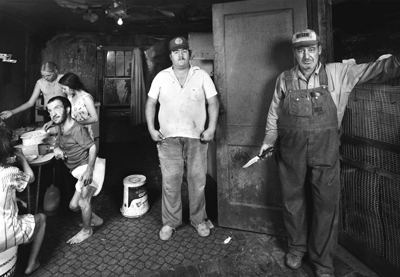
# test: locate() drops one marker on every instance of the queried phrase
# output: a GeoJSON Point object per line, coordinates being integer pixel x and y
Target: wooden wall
{"type": "Point", "coordinates": [12, 75]}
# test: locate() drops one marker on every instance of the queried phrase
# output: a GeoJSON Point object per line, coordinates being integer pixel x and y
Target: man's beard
{"type": "Point", "coordinates": [60, 121]}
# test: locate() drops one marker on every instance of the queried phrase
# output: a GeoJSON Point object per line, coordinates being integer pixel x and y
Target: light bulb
{"type": "Point", "coordinates": [120, 22]}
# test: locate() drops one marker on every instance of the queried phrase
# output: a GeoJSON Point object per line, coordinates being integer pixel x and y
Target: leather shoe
{"type": "Point", "coordinates": [202, 229]}
{"type": "Point", "coordinates": [293, 261]}
{"type": "Point", "coordinates": [166, 232]}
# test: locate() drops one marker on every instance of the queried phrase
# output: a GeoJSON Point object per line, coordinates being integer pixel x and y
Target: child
{"type": "Point", "coordinates": [17, 229]}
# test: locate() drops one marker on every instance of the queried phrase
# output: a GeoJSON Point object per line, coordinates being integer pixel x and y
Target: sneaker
{"type": "Point", "coordinates": [320, 273]}
{"type": "Point", "coordinates": [166, 232]}
{"type": "Point", "coordinates": [293, 261]}
{"type": "Point", "coordinates": [202, 229]}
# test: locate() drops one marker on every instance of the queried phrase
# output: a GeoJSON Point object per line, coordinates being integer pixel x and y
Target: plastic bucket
{"type": "Point", "coordinates": [8, 261]}
{"type": "Point", "coordinates": [135, 196]}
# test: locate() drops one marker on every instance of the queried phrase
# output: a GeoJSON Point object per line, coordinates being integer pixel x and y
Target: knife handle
{"type": "Point", "coordinates": [265, 152]}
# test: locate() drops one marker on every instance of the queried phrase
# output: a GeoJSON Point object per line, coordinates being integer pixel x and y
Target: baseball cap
{"type": "Point", "coordinates": [304, 38]}
{"type": "Point", "coordinates": [178, 43]}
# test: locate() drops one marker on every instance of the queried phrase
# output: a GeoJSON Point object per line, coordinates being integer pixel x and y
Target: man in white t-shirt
{"type": "Point", "coordinates": [186, 94]}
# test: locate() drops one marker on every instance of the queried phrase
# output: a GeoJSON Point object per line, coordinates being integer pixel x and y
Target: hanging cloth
{"type": "Point", "coordinates": [138, 90]}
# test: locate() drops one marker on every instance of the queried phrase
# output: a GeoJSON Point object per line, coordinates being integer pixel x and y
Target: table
{"type": "Point", "coordinates": [41, 160]}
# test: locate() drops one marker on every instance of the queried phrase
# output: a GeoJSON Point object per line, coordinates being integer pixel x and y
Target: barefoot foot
{"type": "Point", "coordinates": [81, 236]}
{"type": "Point", "coordinates": [31, 268]}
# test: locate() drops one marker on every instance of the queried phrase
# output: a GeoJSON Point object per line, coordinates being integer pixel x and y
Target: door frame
{"type": "Point", "coordinates": [275, 226]}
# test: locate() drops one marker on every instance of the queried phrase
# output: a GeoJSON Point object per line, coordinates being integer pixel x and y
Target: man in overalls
{"type": "Point", "coordinates": [302, 125]}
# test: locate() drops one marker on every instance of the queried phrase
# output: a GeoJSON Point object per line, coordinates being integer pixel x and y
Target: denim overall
{"type": "Point", "coordinates": [308, 143]}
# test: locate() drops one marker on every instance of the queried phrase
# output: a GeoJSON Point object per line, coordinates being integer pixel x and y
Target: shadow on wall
{"type": "Point", "coordinates": [156, 59]}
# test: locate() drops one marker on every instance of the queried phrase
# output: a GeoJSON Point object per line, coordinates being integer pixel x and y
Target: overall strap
{"type": "Point", "coordinates": [323, 77]}
{"type": "Point", "coordinates": [288, 80]}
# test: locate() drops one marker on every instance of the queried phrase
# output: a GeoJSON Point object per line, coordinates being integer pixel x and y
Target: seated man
{"type": "Point", "coordinates": [78, 151]}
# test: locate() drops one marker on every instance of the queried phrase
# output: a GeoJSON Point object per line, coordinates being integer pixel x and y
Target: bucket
{"type": "Point", "coordinates": [51, 199]}
{"type": "Point", "coordinates": [135, 196]}
{"type": "Point", "coordinates": [8, 261]}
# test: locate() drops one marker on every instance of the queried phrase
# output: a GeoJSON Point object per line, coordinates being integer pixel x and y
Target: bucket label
{"type": "Point", "coordinates": [135, 202]}
{"type": "Point", "coordinates": [136, 193]}
{"type": "Point", "coordinates": [140, 205]}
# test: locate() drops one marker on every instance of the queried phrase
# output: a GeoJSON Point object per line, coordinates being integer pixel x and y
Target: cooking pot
{"type": "Point", "coordinates": [45, 148]}
{"type": "Point", "coordinates": [34, 137]}
{"type": "Point", "coordinates": [50, 140]}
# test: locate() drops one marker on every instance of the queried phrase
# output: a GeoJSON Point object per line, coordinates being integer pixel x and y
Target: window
{"type": "Point", "coordinates": [117, 81]}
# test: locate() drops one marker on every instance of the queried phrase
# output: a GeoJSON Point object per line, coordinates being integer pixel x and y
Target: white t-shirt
{"type": "Point", "coordinates": [182, 109]}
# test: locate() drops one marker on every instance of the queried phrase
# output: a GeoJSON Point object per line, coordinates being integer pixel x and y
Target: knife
{"type": "Point", "coordinates": [258, 157]}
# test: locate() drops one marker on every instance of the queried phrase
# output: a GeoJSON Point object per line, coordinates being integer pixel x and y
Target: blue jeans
{"type": "Point", "coordinates": [174, 153]}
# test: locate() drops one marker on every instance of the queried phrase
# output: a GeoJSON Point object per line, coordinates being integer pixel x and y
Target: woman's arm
{"type": "Point", "coordinates": [25, 166]}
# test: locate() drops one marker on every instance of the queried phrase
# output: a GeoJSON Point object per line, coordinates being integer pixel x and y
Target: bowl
{"type": "Point", "coordinates": [50, 140]}
{"type": "Point", "coordinates": [34, 137]}
{"type": "Point", "coordinates": [20, 131]}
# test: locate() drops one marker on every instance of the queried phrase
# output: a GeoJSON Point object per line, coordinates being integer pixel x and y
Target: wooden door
{"type": "Point", "coordinates": [252, 40]}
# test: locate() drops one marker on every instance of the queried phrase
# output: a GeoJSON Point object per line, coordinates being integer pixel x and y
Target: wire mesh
{"type": "Point", "coordinates": [360, 208]}
{"type": "Point", "coordinates": [373, 112]}
{"type": "Point", "coordinates": [391, 219]}
{"type": "Point", "coordinates": [370, 202]}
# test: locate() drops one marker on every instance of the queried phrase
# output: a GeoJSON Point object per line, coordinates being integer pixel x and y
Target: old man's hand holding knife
{"type": "Point", "coordinates": [265, 152]}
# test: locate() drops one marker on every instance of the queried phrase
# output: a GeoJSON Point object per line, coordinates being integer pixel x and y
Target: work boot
{"type": "Point", "coordinates": [202, 229]}
{"type": "Point", "coordinates": [166, 232]}
{"type": "Point", "coordinates": [293, 261]}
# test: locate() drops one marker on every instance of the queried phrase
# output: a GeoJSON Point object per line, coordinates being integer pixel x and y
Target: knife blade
{"type": "Point", "coordinates": [258, 157]}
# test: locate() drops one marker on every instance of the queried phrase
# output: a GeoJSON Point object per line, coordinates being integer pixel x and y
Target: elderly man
{"type": "Point", "coordinates": [183, 92]}
{"type": "Point", "coordinates": [303, 121]}
{"type": "Point", "coordinates": [75, 146]}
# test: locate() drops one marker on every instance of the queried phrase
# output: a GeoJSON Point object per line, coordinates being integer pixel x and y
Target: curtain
{"type": "Point", "coordinates": [138, 90]}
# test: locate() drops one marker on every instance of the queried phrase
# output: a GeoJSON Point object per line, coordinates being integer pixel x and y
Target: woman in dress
{"type": "Point", "coordinates": [17, 229]}
{"type": "Point", "coordinates": [47, 85]}
{"type": "Point", "coordinates": [83, 108]}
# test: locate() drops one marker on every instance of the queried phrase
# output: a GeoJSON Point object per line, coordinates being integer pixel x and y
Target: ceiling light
{"type": "Point", "coordinates": [116, 9]}
{"type": "Point", "coordinates": [120, 22]}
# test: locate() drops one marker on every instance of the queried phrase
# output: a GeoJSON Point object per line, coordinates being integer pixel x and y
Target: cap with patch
{"type": "Point", "coordinates": [304, 38]}
{"type": "Point", "coordinates": [178, 43]}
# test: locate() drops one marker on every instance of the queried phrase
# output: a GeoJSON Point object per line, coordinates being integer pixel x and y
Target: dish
{"type": "Point", "coordinates": [43, 159]}
{"type": "Point", "coordinates": [33, 134]}
{"type": "Point", "coordinates": [30, 158]}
